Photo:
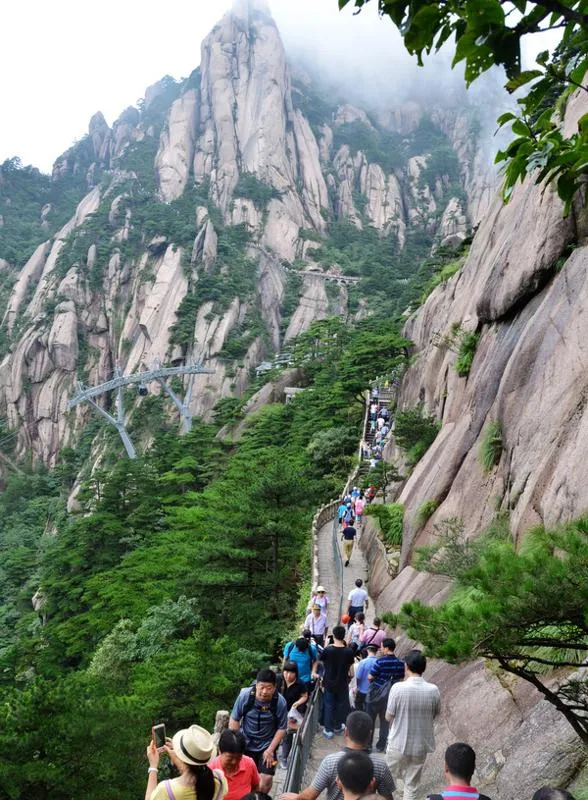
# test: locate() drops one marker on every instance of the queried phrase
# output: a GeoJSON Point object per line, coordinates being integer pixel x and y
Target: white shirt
{"type": "Point", "coordinates": [357, 597]}
{"type": "Point", "coordinates": [413, 705]}
{"type": "Point", "coordinates": [316, 625]}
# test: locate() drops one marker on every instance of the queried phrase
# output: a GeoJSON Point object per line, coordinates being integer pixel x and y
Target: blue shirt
{"type": "Point", "coordinates": [387, 668]}
{"type": "Point", "coordinates": [259, 724]}
{"type": "Point", "coordinates": [303, 660]}
{"type": "Point", "coordinates": [362, 671]}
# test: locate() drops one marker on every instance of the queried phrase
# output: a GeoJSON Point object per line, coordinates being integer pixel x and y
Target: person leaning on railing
{"type": "Point", "coordinates": [295, 694]}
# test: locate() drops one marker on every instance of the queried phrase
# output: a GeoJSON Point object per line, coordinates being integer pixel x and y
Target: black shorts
{"type": "Point", "coordinates": [257, 756]}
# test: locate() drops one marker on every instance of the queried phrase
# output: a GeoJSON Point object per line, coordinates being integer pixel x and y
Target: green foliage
{"type": "Point", "coordinates": [328, 448]}
{"type": "Point", "coordinates": [385, 269]}
{"type": "Point", "coordinates": [467, 350]}
{"type": "Point", "coordinates": [379, 146]}
{"type": "Point", "coordinates": [415, 432]}
{"type": "Point", "coordinates": [442, 163]}
{"type": "Point", "coordinates": [525, 609]}
{"type": "Point", "coordinates": [491, 446]}
{"type": "Point", "coordinates": [290, 299]}
{"type": "Point", "coordinates": [391, 520]}
{"type": "Point", "coordinates": [425, 511]}
{"type": "Point", "coordinates": [391, 150]}
{"type": "Point", "coordinates": [24, 192]}
{"type": "Point", "coordinates": [243, 335]}
{"type": "Point", "coordinates": [30, 507]}
{"type": "Point", "coordinates": [139, 158]}
{"type": "Point", "coordinates": [446, 266]}
{"type": "Point", "coordinates": [228, 410]}
{"type": "Point", "coordinates": [253, 188]}
{"type": "Point", "coordinates": [486, 34]}
{"type": "Point", "coordinates": [180, 573]}
{"type": "Point", "coordinates": [220, 286]}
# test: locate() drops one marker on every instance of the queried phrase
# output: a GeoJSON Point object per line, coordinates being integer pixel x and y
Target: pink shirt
{"type": "Point", "coordinates": [369, 637]}
{"type": "Point", "coordinates": [359, 506]}
{"type": "Point", "coordinates": [243, 781]}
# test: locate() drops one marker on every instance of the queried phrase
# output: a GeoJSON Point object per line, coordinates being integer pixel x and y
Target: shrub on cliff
{"type": "Point", "coordinates": [415, 432]}
{"type": "Point", "coordinates": [523, 607]}
{"type": "Point", "coordinates": [391, 520]}
{"type": "Point", "coordinates": [491, 446]}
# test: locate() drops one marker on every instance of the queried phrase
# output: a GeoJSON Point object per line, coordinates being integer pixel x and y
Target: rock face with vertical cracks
{"type": "Point", "coordinates": [239, 144]}
{"type": "Point", "coordinates": [524, 289]}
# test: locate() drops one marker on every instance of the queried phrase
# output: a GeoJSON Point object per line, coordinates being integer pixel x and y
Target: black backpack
{"type": "Point", "coordinates": [250, 704]}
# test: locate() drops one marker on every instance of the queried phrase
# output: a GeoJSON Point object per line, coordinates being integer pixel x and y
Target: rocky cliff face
{"type": "Point", "coordinates": [207, 229]}
{"type": "Point", "coordinates": [524, 290]}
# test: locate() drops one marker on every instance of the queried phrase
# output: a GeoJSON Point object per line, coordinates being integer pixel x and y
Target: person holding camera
{"type": "Point", "coordinates": [190, 750]}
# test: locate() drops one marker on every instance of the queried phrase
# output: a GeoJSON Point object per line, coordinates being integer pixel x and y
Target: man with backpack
{"type": "Point", "coordinates": [348, 538]}
{"type": "Point", "coordinates": [262, 715]}
{"type": "Point", "coordinates": [304, 654]}
{"type": "Point", "coordinates": [385, 672]}
{"type": "Point", "coordinates": [460, 763]}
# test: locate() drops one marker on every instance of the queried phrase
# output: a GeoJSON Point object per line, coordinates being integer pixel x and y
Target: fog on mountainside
{"type": "Point", "coordinates": [362, 59]}
{"type": "Point", "coordinates": [300, 220]}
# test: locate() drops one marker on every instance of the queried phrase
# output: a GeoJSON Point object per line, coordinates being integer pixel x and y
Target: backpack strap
{"type": "Point", "coordinates": [251, 702]}
{"type": "Point", "coordinates": [169, 790]}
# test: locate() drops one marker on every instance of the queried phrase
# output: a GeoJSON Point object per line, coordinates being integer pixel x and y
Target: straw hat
{"type": "Point", "coordinates": [194, 746]}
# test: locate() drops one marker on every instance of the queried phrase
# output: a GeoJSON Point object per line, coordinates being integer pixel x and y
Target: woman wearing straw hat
{"type": "Point", "coordinates": [190, 751]}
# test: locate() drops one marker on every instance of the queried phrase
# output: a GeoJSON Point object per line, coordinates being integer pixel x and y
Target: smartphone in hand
{"type": "Point", "coordinates": [158, 733]}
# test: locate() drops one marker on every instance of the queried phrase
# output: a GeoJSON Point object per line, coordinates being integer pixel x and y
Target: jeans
{"type": "Point", "coordinates": [287, 744]}
{"type": "Point", "coordinates": [379, 712]}
{"type": "Point", "coordinates": [336, 708]}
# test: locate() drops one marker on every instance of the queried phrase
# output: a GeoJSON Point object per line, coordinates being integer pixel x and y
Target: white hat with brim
{"type": "Point", "coordinates": [194, 746]}
{"type": "Point", "coordinates": [320, 588]}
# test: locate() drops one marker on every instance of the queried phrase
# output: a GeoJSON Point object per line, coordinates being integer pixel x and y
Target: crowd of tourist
{"type": "Point", "coordinates": [364, 688]}
{"type": "Point", "coordinates": [267, 714]}
{"type": "Point", "coordinates": [379, 426]}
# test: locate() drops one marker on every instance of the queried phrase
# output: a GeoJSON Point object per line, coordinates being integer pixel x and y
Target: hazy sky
{"type": "Point", "coordinates": [62, 61]}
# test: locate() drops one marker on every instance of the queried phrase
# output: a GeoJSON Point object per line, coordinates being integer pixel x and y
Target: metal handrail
{"type": "Point", "coordinates": [302, 744]}
{"type": "Point", "coordinates": [338, 563]}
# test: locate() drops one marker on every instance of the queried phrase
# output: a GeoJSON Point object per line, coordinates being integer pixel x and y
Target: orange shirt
{"type": "Point", "coordinates": [241, 782]}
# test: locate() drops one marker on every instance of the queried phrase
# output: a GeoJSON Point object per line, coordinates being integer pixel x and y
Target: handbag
{"type": "Point", "coordinates": [363, 647]}
{"type": "Point", "coordinates": [378, 694]}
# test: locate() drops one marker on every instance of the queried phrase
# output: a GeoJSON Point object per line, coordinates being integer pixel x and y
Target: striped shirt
{"type": "Point", "coordinates": [467, 792]}
{"type": "Point", "coordinates": [412, 706]}
{"type": "Point", "coordinates": [387, 668]}
{"type": "Point", "coordinates": [326, 775]}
